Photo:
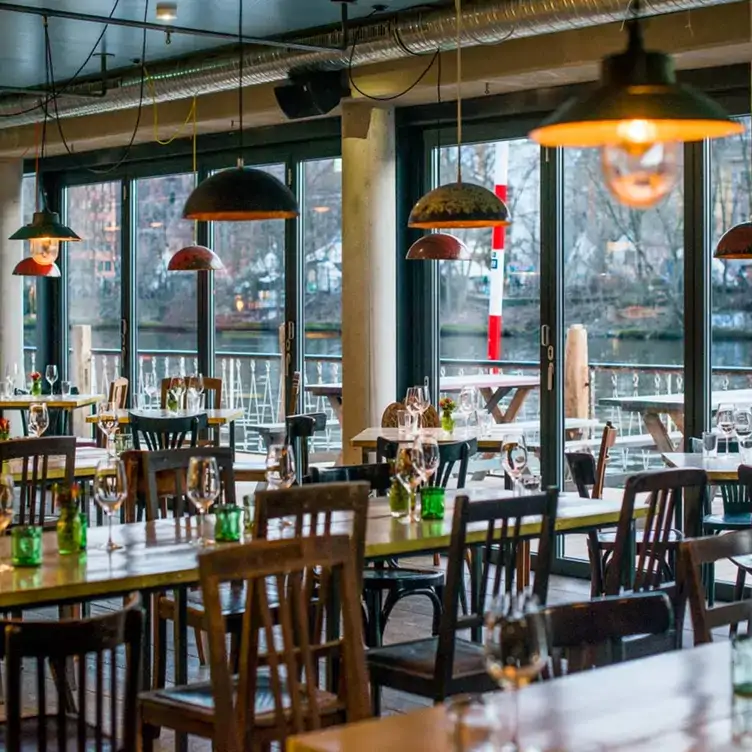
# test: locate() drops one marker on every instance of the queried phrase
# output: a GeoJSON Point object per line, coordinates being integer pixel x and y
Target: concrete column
{"type": "Point", "coordinates": [369, 307]}
{"type": "Point", "coordinates": [11, 252]}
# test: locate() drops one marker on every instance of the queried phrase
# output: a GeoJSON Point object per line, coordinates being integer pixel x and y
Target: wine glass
{"type": "Point", "coordinates": [743, 424]}
{"type": "Point", "coordinates": [150, 387]}
{"type": "Point", "coordinates": [280, 470]}
{"type": "Point", "coordinates": [422, 396]}
{"type": "Point", "coordinates": [7, 488]}
{"type": "Point", "coordinates": [110, 491]}
{"type": "Point", "coordinates": [197, 382]}
{"type": "Point", "coordinates": [724, 419]}
{"type": "Point", "coordinates": [410, 472]}
{"type": "Point", "coordinates": [431, 455]}
{"type": "Point", "coordinates": [39, 419]}
{"type": "Point", "coordinates": [515, 646]}
{"type": "Point", "coordinates": [177, 387]}
{"type": "Point", "coordinates": [202, 489]}
{"type": "Point", "coordinates": [413, 401]}
{"type": "Point", "coordinates": [50, 373]}
{"type": "Point", "coordinates": [107, 418]}
{"type": "Point", "coordinates": [514, 456]}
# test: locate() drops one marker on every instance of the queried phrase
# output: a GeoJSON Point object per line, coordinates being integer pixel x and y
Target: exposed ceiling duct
{"type": "Point", "coordinates": [485, 22]}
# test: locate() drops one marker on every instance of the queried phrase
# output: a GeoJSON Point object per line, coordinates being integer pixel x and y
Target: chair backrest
{"type": "Point", "coordinates": [589, 474]}
{"type": "Point", "coordinates": [499, 539]}
{"type": "Point", "coordinates": [591, 633]}
{"type": "Point", "coordinates": [37, 461]}
{"type": "Point", "coordinates": [212, 387]}
{"type": "Point", "coordinates": [165, 476]}
{"type": "Point", "coordinates": [119, 392]}
{"type": "Point", "coordinates": [166, 433]}
{"type": "Point", "coordinates": [378, 475]}
{"type": "Point", "coordinates": [669, 492]}
{"type": "Point", "coordinates": [106, 700]}
{"type": "Point", "coordinates": [608, 439]}
{"type": "Point", "coordinates": [693, 554]}
{"type": "Point", "coordinates": [292, 400]}
{"type": "Point", "coordinates": [290, 586]}
{"type": "Point", "coordinates": [300, 429]}
{"type": "Point", "coordinates": [430, 418]}
{"type": "Point", "coordinates": [389, 416]}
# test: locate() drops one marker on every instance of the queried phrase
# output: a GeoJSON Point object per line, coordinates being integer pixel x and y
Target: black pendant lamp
{"type": "Point", "coordinates": [459, 204]}
{"type": "Point", "coordinates": [240, 194]}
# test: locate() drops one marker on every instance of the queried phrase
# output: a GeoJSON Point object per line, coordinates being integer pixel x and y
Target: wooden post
{"type": "Point", "coordinates": [576, 373]}
{"type": "Point", "coordinates": [81, 373]}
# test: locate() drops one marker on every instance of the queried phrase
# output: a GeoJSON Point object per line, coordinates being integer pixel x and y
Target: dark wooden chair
{"type": "Point", "coordinates": [212, 389]}
{"type": "Point", "coordinates": [300, 430]}
{"type": "Point", "coordinates": [697, 553]}
{"type": "Point", "coordinates": [102, 712]}
{"type": "Point", "coordinates": [164, 481]}
{"type": "Point", "coordinates": [385, 577]}
{"type": "Point", "coordinates": [437, 667]}
{"type": "Point", "coordinates": [314, 509]}
{"type": "Point", "coordinates": [592, 633]}
{"type": "Point", "coordinates": [38, 458]}
{"type": "Point", "coordinates": [166, 433]}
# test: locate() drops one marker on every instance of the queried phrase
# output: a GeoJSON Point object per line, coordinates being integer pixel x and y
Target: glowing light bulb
{"type": "Point", "coordinates": [637, 131]}
{"type": "Point", "coordinates": [640, 173]}
{"type": "Point", "coordinates": [45, 250]}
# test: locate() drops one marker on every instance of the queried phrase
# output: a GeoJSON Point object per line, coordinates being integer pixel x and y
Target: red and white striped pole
{"type": "Point", "coordinates": [496, 298]}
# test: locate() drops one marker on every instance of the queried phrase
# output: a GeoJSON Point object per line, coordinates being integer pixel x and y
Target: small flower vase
{"type": "Point", "coordinates": [69, 529]}
{"type": "Point", "coordinates": [4, 435]}
{"type": "Point", "coordinates": [447, 421]}
{"type": "Point", "coordinates": [172, 402]}
{"type": "Point", "coordinates": [36, 388]}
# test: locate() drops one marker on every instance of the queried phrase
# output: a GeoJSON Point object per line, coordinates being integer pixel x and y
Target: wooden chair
{"type": "Point", "coordinates": [591, 633]}
{"type": "Point", "coordinates": [37, 458]}
{"type": "Point", "coordinates": [300, 429]}
{"type": "Point", "coordinates": [164, 474]}
{"type": "Point", "coordinates": [697, 553]}
{"type": "Point", "coordinates": [102, 714]}
{"type": "Point", "coordinates": [119, 392]}
{"type": "Point", "coordinates": [190, 709]}
{"type": "Point", "coordinates": [437, 667]}
{"type": "Point", "coordinates": [212, 387]}
{"type": "Point", "coordinates": [166, 433]}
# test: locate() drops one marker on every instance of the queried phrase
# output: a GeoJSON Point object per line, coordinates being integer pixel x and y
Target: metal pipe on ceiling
{"type": "Point", "coordinates": [485, 22]}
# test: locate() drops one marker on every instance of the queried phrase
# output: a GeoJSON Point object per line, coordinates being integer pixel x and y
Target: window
{"type": "Point", "coordinates": [28, 204]}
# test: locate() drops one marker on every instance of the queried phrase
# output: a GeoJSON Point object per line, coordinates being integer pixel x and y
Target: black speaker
{"type": "Point", "coordinates": [311, 93]}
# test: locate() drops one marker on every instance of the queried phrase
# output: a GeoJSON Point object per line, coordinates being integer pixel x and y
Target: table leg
{"type": "Point", "coordinates": [492, 398]}
{"type": "Point", "coordinates": [476, 574]}
{"type": "Point", "coordinates": [232, 438]}
{"type": "Point", "coordinates": [181, 652]}
{"type": "Point", "coordinates": [658, 431]}
{"type": "Point", "coordinates": [336, 404]}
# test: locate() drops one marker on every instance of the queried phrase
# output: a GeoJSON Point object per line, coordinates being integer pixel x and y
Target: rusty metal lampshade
{"type": "Point", "coordinates": [638, 94]}
{"type": "Point", "coordinates": [438, 247]}
{"type": "Point", "coordinates": [195, 258]}
{"type": "Point", "coordinates": [240, 194]}
{"type": "Point", "coordinates": [459, 205]}
{"type": "Point", "coordinates": [27, 267]}
{"type": "Point", "coordinates": [736, 243]}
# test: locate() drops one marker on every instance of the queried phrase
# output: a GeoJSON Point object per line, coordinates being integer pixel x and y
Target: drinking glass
{"type": "Point", "coordinates": [39, 418]}
{"type": "Point", "coordinates": [743, 424]}
{"type": "Point", "coordinates": [150, 386]}
{"type": "Point", "coordinates": [413, 401]}
{"type": "Point", "coordinates": [468, 399]}
{"type": "Point", "coordinates": [107, 418]}
{"type": "Point", "coordinates": [203, 487]}
{"type": "Point", "coordinates": [709, 444]}
{"type": "Point", "coordinates": [473, 722]}
{"type": "Point", "coordinates": [7, 489]}
{"type": "Point", "coordinates": [110, 491]}
{"type": "Point", "coordinates": [65, 388]}
{"type": "Point", "coordinates": [50, 374]}
{"type": "Point", "coordinates": [406, 422]}
{"type": "Point", "coordinates": [515, 646]}
{"type": "Point", "coordinates": [410, 472]}
{"type": "Point", "coordinates": [514, 456]}
{"type": "Point", "coordinates": [431, 455]}
{"type": "Point", "coordinates": [724, 419]}
{"type": "Point", "coordinates": [280, 470]}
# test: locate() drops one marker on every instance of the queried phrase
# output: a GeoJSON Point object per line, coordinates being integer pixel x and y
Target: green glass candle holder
{"type": "Point", "coordinates": [227, 523]}
{"type": "Point", "coordinates": [432, 503]}
{"type": "Point", "coordinates": [26, 546]}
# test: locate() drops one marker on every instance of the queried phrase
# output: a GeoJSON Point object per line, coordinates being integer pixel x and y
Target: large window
{"type": "Point", "coordinates": [28, 205]}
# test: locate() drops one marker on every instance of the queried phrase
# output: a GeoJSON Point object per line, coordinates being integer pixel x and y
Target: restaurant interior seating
{"type": "Point", "coordinates": [157, 432]}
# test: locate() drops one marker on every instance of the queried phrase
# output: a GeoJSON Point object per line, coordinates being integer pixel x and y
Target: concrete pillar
{"type": "Point", "coordinates": [11, 288]}
{"type": "Point", "coordinates": [369, 308]}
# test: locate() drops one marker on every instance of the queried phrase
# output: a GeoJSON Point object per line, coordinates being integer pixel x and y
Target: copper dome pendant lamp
{"type": "Point", "coordinates": [438, 246]}
{"type": "Point", "coordinates": [240, 194]}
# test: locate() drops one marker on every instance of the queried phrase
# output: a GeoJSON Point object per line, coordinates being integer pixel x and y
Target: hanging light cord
{"type": "Point", "coordinates": [458, 15]}
{"type": "Point", "coordinates": [240, 82]}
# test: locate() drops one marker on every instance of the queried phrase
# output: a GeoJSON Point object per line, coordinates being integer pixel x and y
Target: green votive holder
{"type": "Point", "coordinates": [432, 503]}
{"type": "Point", "coordinates": [26, 546]}
{"type": "Point", "coordinates": [227, 523]}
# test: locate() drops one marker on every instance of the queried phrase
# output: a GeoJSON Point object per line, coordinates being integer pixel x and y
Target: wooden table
{"type": "Point", "coordinates": [653, 406]}
{"type": "Point", "coordinates": [53, 401]}
{"type": "Point", "coordinates": [678, 701]}
{"type": "Point", "coordinates": [724, 467]}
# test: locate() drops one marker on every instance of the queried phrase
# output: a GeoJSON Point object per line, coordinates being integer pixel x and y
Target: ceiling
{"type": "Point", "coordinates": [22, 40]}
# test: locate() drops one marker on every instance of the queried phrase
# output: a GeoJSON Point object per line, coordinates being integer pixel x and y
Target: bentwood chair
{"type": "Point", "coordinates": [437, 667]}
{"type": "Point", "coordinates": [313, 510]}
{"type": "Point", "coordinates": [101, 714]}
{"type": "Point", "coordinates": [698, 553]}
{"type": "Point", "coordinates": [166, 433]}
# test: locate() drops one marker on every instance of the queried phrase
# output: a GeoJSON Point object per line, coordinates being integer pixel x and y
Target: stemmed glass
{"type": "Point", "coordinates": [413, 402]}
{"type": "Point", "coordinates": [177, 387]}
{"type": "Point", "coordinates": [514, 456]}
{"type": "Point", "coordinates": [110, 491]}
{"type": "Point", "coordinates": [195, 390]}
{"type": "Point", "coordinates": [107, 417]}
{"type": "Point", "coordinates": [280, 469]}
{"type": "Point", "coordinates": [743, 427]}
{"type": "Point", "coordinates": [7, 487]}
{"type": "Point", "coordinates": [39, 419]}
{"type": "Point", "coordinates": [724, 419]}
{"type": "Point", "coordinates": [515, 646]}
{"type": "Point", "coordinates": [431, 455]}
{"type": "Point", "coordinates": [410, 473]}
{"type": "Point", "coordinates": [50, 374]}
{"type": "Point", "coordinates": [150, 387]}
{"type": "Point", "coordinates": [202, 489]}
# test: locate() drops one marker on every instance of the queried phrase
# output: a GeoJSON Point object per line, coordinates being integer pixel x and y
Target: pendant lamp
{"type": "Point", "coordinates": [459, 204]}
{"type": "Point", "coordinates": [438, 246]}
{"type": "Point", "coordinates": [240, 194]}
{"type": "Point", "coordinates": [28, 267]}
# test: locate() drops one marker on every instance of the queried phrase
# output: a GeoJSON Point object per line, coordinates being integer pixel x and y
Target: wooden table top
{"type": "Point", "coordinates": [724, 467]}
{"type": "Point", "coordinates": [160, 554]}
{"type": "Point", "coordinates": [87, 459]}
{"type": "Point", "coordinates": [74, 401]}
{"type": "Point", "coordinates": [672, 402]}
{"type": "Point", "coordinates": [678, 701]}
{"type": "Point", "coordinates": [216, 417]}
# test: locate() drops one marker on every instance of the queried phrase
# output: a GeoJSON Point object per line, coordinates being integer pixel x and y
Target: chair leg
{"type": "Point", "coordinates": [159, 672]}
{"type": "Point", "coordinates": [200, 646]}
{"type": "Point", "coordinates": [148, 735]}
{"type": "Point", "coordinates": [395, 596]}
{"type": "Point", "coordinates": [596, 564]}
{"type": "Point", "coordinates": [375, 700]}
{"type": "Point", "coordinates": [373, 599]}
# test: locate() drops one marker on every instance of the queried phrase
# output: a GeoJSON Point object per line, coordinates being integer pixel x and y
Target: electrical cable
{"type": "Point", "coordinates": [155, 109]}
